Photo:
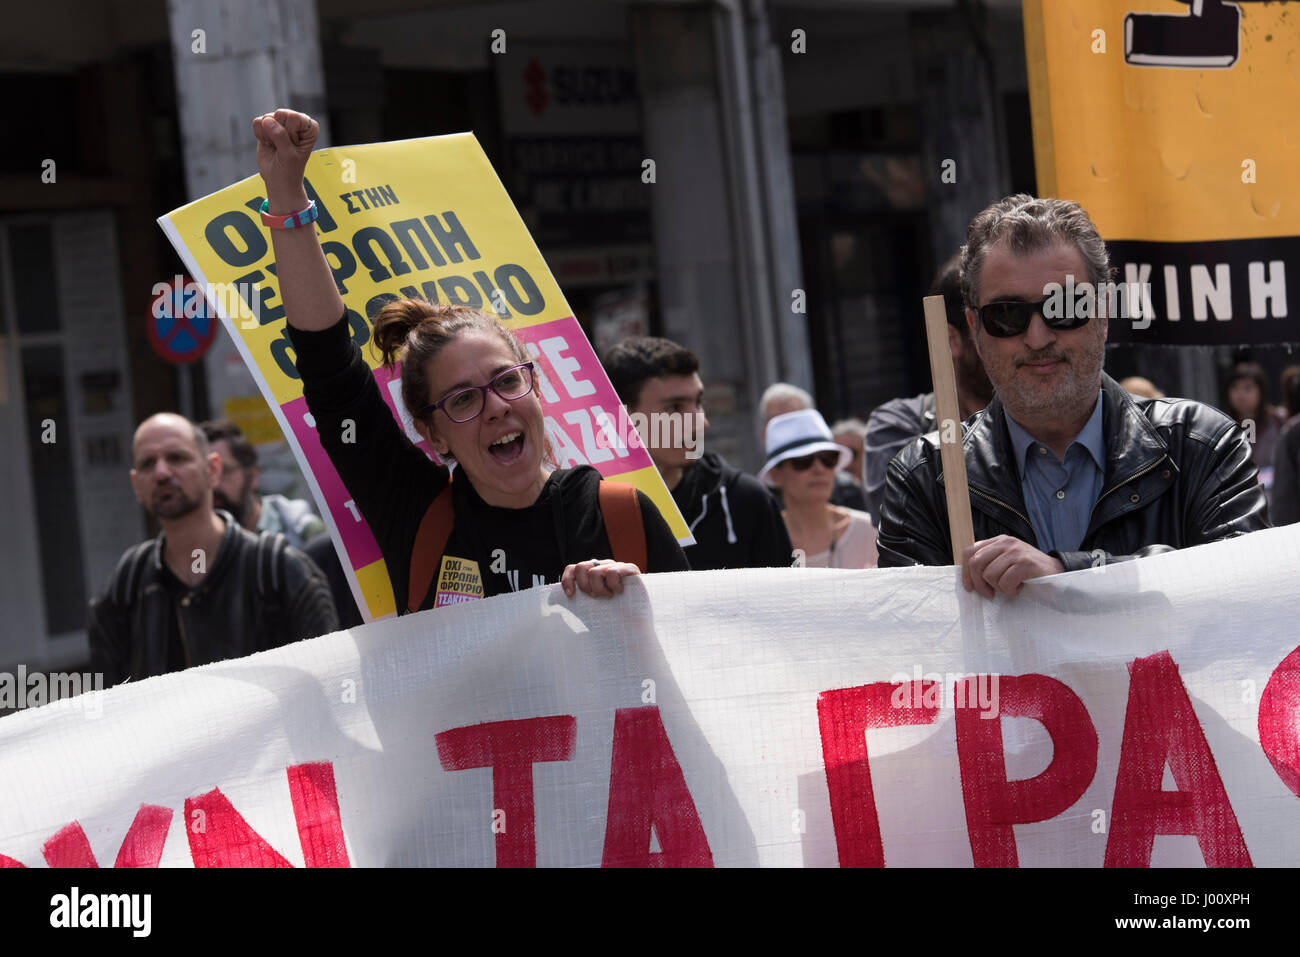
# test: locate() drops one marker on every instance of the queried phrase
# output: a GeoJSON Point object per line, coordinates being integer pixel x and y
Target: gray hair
{"type": "Point", "coordinates": [783, 390]}
{"type": "Point", "coordinates": [1027, 224]}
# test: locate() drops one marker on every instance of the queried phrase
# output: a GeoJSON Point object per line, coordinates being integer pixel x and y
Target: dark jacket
{"type": "Point", "coordinates": [393, 483]}
{"type": "Point", "coordinates": [1178, 473]}
{"type": "Point", "coordinates": [735, 520]}
{"type": "Point", "coordinates": [320, 549]}
{"type": "Point", "coordinates": [1285, 502]}
{"type": "Point", "coordinates": [890, 427]}
{"type": "Point", "coordinates": [253, 597]}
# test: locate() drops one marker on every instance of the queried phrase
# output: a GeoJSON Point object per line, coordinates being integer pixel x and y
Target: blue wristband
{"type": "Point", "coordinates": [293, 220]}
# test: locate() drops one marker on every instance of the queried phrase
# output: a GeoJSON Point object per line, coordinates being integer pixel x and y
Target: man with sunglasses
{"type": "Point", "coordinates": [1065, 469]}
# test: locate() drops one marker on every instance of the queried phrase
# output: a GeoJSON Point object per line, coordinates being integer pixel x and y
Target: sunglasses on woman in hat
{"type": "Point", "coordinates": [802, 458]}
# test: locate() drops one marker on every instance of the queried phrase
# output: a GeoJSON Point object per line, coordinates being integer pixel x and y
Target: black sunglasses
{"type": "Point", "coordinates": [1011, 318]}
{"type": "Point", "coordinates": [804, 462]}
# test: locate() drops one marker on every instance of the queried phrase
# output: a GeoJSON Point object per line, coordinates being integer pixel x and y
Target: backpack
{"type": "Point", "coordinates": [129, 577]}
{"type": "Point", "coordinates": [619, 507]}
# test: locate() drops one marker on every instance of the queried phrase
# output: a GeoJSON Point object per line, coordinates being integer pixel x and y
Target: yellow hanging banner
{"type": "Point", "coordinates": [1175, 125]}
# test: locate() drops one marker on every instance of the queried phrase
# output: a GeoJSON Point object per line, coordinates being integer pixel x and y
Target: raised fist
{"type": "Point", "coordinates": [285, 139]}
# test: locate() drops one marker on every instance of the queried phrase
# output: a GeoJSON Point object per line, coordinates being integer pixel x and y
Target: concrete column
{"type": "Point", "coordinates": [726, 248]}
{"type": "Point", "coordinates": [235, 60]}
{"type": "Point", "coordinates": [254, 58]}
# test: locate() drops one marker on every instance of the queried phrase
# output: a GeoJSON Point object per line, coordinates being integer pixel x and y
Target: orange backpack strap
{"type": "Point", "coordinates": [430, 543]}
{"type": "Point", "coordinates": [621, 510]}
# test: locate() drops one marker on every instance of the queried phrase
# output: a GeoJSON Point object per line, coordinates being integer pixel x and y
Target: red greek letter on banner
{"type": "Point", "coordinates": [994, 804]}
{"type": "Point", "coordinates": [648, 790]}
{"type": "Point", "coordinates": [220, 837]}
{"type": "Point", "coordinates": [844, 716]}
{"type": "Point", "coordinates": [1160, 727]}
{"type": "Point", "coordinates": [510, 749]}
{"type": "Point", "coordinates": [69, 848]}
{"type": "Point", "coordinates": [143, 844]}
{"type": "Point", "coordinates": [316, 811]}
{"type": "Point", "coordinates": [1279, 719]}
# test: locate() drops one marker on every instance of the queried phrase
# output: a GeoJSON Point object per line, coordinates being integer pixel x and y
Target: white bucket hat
{"type": "Point", "coordinates": [796, 434]}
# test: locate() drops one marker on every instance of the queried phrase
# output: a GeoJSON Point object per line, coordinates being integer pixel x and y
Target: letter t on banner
{"type": "Point", "coordinates": [510, 748]}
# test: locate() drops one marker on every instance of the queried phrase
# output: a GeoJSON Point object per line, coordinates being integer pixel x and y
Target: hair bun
{"type": "Point", "coordinates": [396, 321]}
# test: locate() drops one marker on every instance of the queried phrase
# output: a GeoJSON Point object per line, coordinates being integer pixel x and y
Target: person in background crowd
{"type": "Point", "coordinates": [782, 397]}
{"type": "Point", "coordinates": [1284, 503]}
{"type": "Point", "coordinates": [735, 521]}
{"type": "Point", "coordinates": [851, 433]}
{"type": "Point", "coordinates": [802, 459]}
{"type": "Point", "coordinates": [237, 492]}
{"type": "Point", "coordinates": [507, 520]}
{"type": "Point", "coordinates": [896, 423]}
{"type": "Point", "coordinates": [1246, 400]}
{"type": "Point", "coordinates": [1137, 385]}
{"type": "Point", "coordinates": [1290, 398]}
{"type": "Point", "coordinates": [1066, 470]}
{"type": "Point", "coordinates": [321, 550]}
{"type": "Point", "coordinates": [205, 589]}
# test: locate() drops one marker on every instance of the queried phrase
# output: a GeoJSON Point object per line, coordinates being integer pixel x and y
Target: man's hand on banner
{"type": "Point", "coordinates": [597, 577]}
{"type": "Point", "coordinates": [1003, 564]}
{"type": "Point", "coordinates": [285, 140]}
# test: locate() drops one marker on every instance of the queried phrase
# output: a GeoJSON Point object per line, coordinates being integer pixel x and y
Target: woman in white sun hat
{"type": "Point", "coordinates": [802, 459]}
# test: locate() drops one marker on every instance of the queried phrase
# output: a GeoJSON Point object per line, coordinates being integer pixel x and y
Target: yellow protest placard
{"type": "Point", "coordinates": [421, 218]}
{"type": "Point", "coordinates": [1175, 126]}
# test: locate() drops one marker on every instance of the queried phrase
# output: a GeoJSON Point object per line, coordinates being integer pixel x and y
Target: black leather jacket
{"type": "Point", "coordinates": [1178, 473]}
{"type": "Point", "coordinates": [254, 597]}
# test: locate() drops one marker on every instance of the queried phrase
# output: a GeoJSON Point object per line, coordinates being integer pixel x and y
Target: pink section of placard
{"type": "Point", "coordinates": [575, 392]}
{"type": "Point", "coordinates": [357, 539]}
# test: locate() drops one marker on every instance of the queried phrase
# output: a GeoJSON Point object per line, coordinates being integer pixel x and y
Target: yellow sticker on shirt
{"type": "Point", "coordinates": [458, 581]}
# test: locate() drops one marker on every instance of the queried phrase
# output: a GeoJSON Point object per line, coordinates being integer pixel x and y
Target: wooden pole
{"type": "Point", "coordinates": [960, 529]}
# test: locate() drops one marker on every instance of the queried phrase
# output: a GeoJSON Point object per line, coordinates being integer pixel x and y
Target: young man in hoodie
{"type": "Point", "coordinates": [735, 520]}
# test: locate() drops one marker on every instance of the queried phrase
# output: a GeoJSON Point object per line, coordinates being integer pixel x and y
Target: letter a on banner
{"type": "Point", "coordinates": [647, 790]}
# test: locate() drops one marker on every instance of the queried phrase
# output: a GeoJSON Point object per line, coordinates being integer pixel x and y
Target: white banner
{"type": "Point", "coordinates": [1144, 712]}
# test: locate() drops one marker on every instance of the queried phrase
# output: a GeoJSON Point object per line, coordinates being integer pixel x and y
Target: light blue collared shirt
{"type": "Point", "coordinates": [1060, 495]}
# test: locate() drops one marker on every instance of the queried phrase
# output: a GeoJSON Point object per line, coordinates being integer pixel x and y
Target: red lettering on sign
{"type": "Point", "coordinates": [510, 748]}
{"type": "Point", "coordinates": [143, 844]}
{"type": "Point", "coordinates": [69, 848]}
{"type": "Point", "coordinates": [1160, 726]}
{"type": "Point", "coordinates": [994, 804]}
{"type": "Point", "coordinates": [648, 790]}
{"type": "Point", "coordinates": [316, 810]}
{"type": "Point", "coordinates": [844, 716]}
{"type": "Point", "coordinates": [1279, 718]}
{"type": "Point", "coordinates": [220, 837]}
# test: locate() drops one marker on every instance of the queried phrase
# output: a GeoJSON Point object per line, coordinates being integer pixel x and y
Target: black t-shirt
{"type": "Point", "coordinates": [393, 483]}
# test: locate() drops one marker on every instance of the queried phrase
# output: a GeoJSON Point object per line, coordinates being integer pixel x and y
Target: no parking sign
{"type": "Point", "coordinates": [180, 324]}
